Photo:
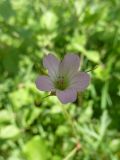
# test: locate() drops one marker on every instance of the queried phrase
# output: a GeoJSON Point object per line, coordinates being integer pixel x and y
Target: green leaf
{"type": "Point", "coordinates": [92, 55]}
{"type": "Point", "coordinates": [5, 116]}
{"type": "Point", "coordinates": [10, 131]}
{"type": "Point", "coordinates": [105, 121]}
{"type": "Point", "coordinates": [18, 101]}
{"type": "Point", "coordinates": [34, 114]}
{"type": "Point", "coordinates": [36, 149]}
{"type": "Point", "coordinates": [62, 130]}
{"type": "Point", "coordinates": [49, 20]}
{"type": "Point", "coordinates": [6, 9]}
{"type": "Point", "coordinates": [104, 96]}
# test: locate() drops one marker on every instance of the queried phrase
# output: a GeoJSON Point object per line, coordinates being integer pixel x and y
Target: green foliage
{"type": "Point", "coordinates": [33, 128]}
{"type": "Point", "coordinates": [36, 149]}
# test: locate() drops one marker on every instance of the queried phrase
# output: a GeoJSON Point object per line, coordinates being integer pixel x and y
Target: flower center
{"type": "Point", "coordinates": [61, 83]}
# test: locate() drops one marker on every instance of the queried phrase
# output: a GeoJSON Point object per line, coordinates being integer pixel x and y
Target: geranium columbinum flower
{"type": "Point", "coordinates": [63, 77]}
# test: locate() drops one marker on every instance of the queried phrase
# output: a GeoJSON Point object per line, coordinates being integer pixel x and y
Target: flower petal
{"type": "Point", "coordinates": [66, 96]}
{"type": "Point", "coordinates": [52, 64]}
{"type": "Point", "coordinates": [44, 83]}
{"type": "Point", "coordinates": [69, 65]}
{"type": "Point", "coordinates": [80, 81]}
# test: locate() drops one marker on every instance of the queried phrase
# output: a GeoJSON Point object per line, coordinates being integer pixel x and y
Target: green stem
{"type": "Point", "coordinates": [71, 122]}
{"type": "Point", "coordinates": [74, 131]}
{"type": "Point", "coordinates": [73, 152]}
{"type": "Point", "coordinates": [92, 69]}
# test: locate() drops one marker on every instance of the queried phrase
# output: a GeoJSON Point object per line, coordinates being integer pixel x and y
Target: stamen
{"type": "Point", "coordinates": [61, 83]}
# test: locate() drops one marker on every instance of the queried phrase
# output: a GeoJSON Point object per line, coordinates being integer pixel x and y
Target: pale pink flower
{"type": "Point", "coordinates": [63, 77]}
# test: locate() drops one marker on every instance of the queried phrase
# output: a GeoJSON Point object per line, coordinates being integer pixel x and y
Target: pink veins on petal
{"type": "Point", "coordinates": [64, 77]}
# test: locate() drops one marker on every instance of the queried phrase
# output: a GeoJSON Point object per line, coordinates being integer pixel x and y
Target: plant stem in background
{"type": "Point", "coordinates": [73, 152]}
{"type": "Point", "coordinates": [74, 132]}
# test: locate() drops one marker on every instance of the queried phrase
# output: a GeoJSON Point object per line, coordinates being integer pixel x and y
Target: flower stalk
{"type": "Point", "coordinates": [74, 132]}
{"type": "Point", "coordinates": [70, 121]}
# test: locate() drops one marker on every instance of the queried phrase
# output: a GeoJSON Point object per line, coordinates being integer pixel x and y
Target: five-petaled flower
{"type": "Point", "coordinates": [64, 78]}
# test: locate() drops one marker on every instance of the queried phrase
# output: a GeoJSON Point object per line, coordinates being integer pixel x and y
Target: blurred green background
{"type": "Point", "coordinates": [32, 128]}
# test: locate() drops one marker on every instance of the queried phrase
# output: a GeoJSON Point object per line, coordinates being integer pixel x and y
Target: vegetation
{"type": "Point", "coordinates": [33, 128]}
